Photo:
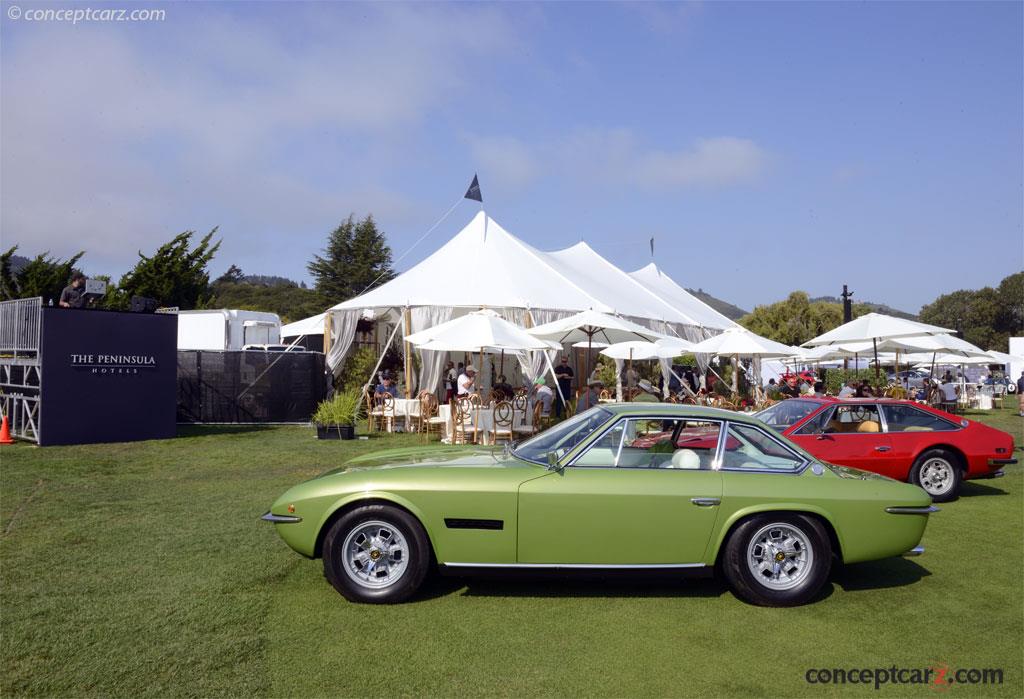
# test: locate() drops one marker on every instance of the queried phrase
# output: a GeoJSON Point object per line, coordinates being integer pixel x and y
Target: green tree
{"type": "Point", "coordinates": [356, 256]}
{"type": "Point", "coordinates": [44, 276]}
{"type": "Point", "coordinates": [175, 275]}
{"type": "Point", "coordinates": [290, 302]}
{"type": "Point", "coordinates": [797, 319]}
{"type": "Point", "coordinates": [985, 317]}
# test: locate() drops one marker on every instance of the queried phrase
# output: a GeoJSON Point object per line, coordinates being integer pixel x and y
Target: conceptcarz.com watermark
{"type": "Point", "coordinates": [939, 676]}
{"type": "Point", "coordinates": [81, 15]}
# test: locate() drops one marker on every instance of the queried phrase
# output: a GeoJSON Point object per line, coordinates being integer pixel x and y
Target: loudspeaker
{"type": "Point", "coordinates": [142, 304]}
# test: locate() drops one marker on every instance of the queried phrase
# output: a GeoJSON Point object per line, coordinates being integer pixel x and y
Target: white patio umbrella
{"type": "Point", "coordinates": [588, 326]}
{"type": "Point", "coordinates": [739, 342]}
{"type": "Point", "coordinates": [479, 331]}
{"type": "Point", "coordinates": [875, 327]}
{"type": "Point", "coordinates": [1004, 358]}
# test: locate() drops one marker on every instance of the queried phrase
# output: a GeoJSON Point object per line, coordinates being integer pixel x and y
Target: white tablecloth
{"type": "Point", "coordinates": [483, 418]}
{"type": "Point", "coordinates": [406, 410]}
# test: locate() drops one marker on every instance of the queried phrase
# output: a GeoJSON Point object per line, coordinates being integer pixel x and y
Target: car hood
{"type": "Point", "coordinates": [440, 457]}
{"type": "Point", "coordinates": [854, 473]}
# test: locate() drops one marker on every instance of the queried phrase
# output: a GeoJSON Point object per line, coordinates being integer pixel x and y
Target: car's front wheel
{"type": "Point", "coordinates": [778, 560]}
{"type": "Point", "coordinates": [938, 472]}
{"type": "Point", "coordinates": [376, 553]}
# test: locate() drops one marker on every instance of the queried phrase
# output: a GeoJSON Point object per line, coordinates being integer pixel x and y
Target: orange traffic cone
{"type": "Point", "coordinates": [5, 433]}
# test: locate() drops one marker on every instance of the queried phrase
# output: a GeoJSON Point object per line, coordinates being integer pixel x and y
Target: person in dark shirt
{"type": "Point", "coordinates": [790, 388]}
{"type": "Point", "coordinates": [73, 295]}
{"type": "Point", "coordinates": [503, 388]}
{"type": "Point", "coordinates": [1020, 394]}
{"type": "Point", "coordinates": [387, 386]}
{"type": "Point", "coordinates": [564, 374]}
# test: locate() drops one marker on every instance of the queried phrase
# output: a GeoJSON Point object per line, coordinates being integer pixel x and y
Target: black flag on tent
{"type": "Point", "coordinates": [474, 191]}
{"type": "Point", "coordinates": [652, 247]}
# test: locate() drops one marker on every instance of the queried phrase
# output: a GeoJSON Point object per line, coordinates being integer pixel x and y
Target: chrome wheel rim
{"type": "Point", "coordinates": [376, 554]}
{"type": "Point", "coordinates": [936, 476]}
{"type": "Point", "coordinates": [780, 556]}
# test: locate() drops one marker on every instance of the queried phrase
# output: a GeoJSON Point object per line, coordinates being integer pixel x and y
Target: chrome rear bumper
{"type": "Point", "coordinates": [916, 551]}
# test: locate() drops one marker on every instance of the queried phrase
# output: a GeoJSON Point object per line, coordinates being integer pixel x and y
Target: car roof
{"type": "Point", "coordinates": [677, 409]}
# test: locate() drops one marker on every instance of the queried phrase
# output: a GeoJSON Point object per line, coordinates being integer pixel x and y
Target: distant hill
{"type": "Point", "coordinates": [17, 263]}
{"type": "Point", "coordinates": [875, 307]}
{"type": "Point", "coordinates": [724, 307]}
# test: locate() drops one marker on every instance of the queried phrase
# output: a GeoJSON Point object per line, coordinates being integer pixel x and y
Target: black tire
{"type": "Point", "coordinates": [750, 587]}
{"type": "Point", "coordinates": [927, 468]}
{"type": "Point", "coordinates": [414, 554]}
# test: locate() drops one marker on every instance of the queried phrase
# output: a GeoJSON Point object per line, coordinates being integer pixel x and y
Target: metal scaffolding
{"type": "Point", "coordinates": [21, 378]}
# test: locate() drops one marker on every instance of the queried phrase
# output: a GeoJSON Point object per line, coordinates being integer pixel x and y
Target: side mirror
{"type": "Point", "coordinates": [553, 462]}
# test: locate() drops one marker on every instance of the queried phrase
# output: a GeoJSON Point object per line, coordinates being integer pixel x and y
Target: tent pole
{"type": "Point", "coordinates": [407, 315]}
{"type": "Point", "coordinates": [629, 368]}
{"type": "Point", "coordinates": [736, 374]}
{"type": "Point", "coordinates": [501, 370]}
{"type": "Point", "coordinates": [874, 344]}
{"type": "Point", "coordinates": [327, 333]}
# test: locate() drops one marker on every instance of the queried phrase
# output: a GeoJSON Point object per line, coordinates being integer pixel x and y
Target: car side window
{"type": "Point", "coordinates": [908, 418]}
{"type": "Point", "coordinates": [749, 449]}
{"type": "Point", "coordinates": [817, 424]}
{"type": "Point", "coordinates": [854, 418]}
{"type": "Point", "coordinates": [654, 443]}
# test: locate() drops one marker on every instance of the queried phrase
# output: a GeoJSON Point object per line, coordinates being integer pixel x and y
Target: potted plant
{"type": "Point", "coordinates": [336, 418]}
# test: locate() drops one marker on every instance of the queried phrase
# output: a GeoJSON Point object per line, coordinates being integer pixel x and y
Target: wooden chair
{"type": "Point", "coordinates": [605, 394]}
{"type": "Point", "coordinates": [537, 426]}
{"type": "Point", "coordinates": [384, 410]}
{"type": "Point", "coordinates": [503, 420]}
{"type": "Point", "coordinates": [430, 421]}
{"type": "Point", "coordinates": [998, 392]}
{"type": "Point", "coordinates": [463, 422]}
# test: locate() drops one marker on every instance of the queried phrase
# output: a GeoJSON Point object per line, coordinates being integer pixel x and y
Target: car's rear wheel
{"type": "Point", "coordinates": [778, 560]}
{"type": "Point", "coordinates": [938, 472]}
{"type": "Point", "coordinates": [376, 553]}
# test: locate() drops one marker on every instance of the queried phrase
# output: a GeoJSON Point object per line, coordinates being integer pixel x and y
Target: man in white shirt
{"type": "Point", "coordinates": [950, 392]}
{"type": "Point", "coordinates": [466, 380]}
{"type": "Point", "coordinates": [849, 390]}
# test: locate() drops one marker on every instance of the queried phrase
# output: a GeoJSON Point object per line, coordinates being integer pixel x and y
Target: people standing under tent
{"type": "Point", "coordinates": [590, 397]}
{"type": "Point", "coordinates": [1020, 393]}
{"type": "Point", "coordinates": [849, 390]}
{"type": "Point", "coordinates": [648, 393]}
{"type": "Point", "coordinates": [466, 380]}
{"type": "Point", "coordinates": [632, 377]}
{"type": "Point", "coordinates": [543, 394]}
{"type": "Point", "coordinates": [790, 388]}
{"type": "Point", "coordinates": [450, 381]}
{"type": "Point", "coordinates": [564, 374]}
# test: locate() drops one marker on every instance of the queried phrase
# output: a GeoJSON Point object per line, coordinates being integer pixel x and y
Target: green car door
{"type": "Point", "coordinates": [643, 493]}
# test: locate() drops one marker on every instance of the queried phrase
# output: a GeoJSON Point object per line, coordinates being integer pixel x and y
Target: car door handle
{"type": "Point", "coordinates": [706, 502]}
{"type": "Point", "coordinates": [882, 448]}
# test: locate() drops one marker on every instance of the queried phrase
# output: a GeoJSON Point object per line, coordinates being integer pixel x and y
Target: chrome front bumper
{"type": "Point", "coordinates": [280, 519]}
{"type": "Point", "coordinates": [916, 551]}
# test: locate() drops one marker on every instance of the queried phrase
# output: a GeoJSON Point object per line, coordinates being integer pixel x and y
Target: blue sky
{"type": "Point", "coordinates": [766, 146]}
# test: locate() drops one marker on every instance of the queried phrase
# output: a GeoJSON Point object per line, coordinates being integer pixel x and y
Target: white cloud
{"type": "Point", "coordinates": [510, 162]}
{"type": "Point", "coordinates": [114, 138]}
{"type": "Point", "coordinates": [616, 156]}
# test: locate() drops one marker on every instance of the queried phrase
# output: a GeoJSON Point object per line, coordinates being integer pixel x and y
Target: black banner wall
{"type": "Point", "coordinates": [248, 386]}
{"type": "Point", "coordinates": [107, 376]}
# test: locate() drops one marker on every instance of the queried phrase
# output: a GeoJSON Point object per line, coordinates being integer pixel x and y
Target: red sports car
{"type": "Point", "coordinates": [896, 438]}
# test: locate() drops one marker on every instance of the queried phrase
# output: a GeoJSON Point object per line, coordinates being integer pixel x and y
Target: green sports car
{"type": "Point", "coordinates": [635, 486]}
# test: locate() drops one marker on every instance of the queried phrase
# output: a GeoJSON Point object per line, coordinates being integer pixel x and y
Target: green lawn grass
{"type": "Point", "coordinates": [141, 569]}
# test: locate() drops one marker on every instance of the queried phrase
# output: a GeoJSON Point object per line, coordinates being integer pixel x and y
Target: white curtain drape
{"type": "Point", "coordinates": [431, 362]}
{"type": "Point", "coordinates": [343, 331]}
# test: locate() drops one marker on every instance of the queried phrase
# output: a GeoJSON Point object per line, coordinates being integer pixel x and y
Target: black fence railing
{"type": "Point", "coordinates": [249, 387]}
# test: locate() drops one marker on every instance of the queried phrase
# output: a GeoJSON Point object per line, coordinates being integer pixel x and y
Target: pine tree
{"type": "Point", "coordinates": [356, 256]}
{"type": "Point", "coordinates": [43, 276]}
{"type": "Point", "coordinates": [174, 275]}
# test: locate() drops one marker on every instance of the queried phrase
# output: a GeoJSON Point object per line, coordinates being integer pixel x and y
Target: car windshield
{"type": "Point", "coordinates": [561, 438]}
{"type": "Point", "coordinates": [786, 413]}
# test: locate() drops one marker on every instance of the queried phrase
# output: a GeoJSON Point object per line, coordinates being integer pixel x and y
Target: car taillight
{"type": "Point", "coordinates": [1000, 450]}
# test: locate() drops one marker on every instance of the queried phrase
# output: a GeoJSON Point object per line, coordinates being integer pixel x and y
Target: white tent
{"type": "Point", "coordinates": [314, 325]}
{"type": "Point", "coordinates": [875, 327]}
{"type": "Point", "coordinates": [486, 266]}
{"type": "Point", "coordinates": [662, 285]}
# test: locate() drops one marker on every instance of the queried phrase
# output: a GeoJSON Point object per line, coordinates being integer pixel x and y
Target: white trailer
{"type": "Point", "coordinates": [225, 329]}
